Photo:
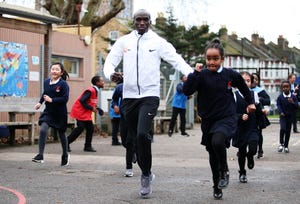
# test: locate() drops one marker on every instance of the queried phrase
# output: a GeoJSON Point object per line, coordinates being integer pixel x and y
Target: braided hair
{"type": "Point", "coordinates": [216, 43]}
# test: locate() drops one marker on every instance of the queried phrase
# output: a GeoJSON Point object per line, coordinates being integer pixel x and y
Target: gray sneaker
{"type": "Point", "coordinates": [146, 189]}
{"type": "Point", "coordinates": [280, 148]}
{"type": "Point", "coordinates": [128, 173]}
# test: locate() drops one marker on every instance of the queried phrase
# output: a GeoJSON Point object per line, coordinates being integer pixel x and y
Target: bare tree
{"type": "Point", "coordinates": [69, 11]}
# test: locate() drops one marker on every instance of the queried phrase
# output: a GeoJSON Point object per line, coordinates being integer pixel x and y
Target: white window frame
{"type": "Point", "coordinates": [73, 71]}
{"type": "Point", "coordinates": [112, 35]}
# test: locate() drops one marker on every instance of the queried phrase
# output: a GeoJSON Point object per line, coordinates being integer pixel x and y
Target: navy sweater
{"type": "Point", "coordinates": [55, 113]}
{"type": "Point", "coordinates": [215, 97]}
{"type": "Point", "coordinates": [286, 107]}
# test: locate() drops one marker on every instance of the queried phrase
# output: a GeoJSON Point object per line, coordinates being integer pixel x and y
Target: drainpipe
{"type": "Point", "coordinates": [78, 10]}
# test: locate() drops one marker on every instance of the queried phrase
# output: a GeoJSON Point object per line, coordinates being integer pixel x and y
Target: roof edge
{"type": "Point", "coordinates": [28, 13]}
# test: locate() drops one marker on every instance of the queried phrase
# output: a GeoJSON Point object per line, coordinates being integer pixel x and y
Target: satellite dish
{"type": "Point", "coordinates": [87, 40]}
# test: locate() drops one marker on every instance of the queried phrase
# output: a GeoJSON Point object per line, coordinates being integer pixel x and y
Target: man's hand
{"type": "Point", "coordinates": [116, 77]}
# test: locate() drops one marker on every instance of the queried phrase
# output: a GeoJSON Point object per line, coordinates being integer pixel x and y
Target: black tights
{"type": "Point", "coordinates": [252, 148]}
{"type": "Point", "coordinates": [217, 155]}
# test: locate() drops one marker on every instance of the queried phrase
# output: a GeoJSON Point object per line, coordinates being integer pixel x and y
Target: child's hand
{"type": "Point", "coordinates": [264, 111]}
{"type": "Point", "coordinates": [100, 111]}
{"type": "Point", "coordinates": [47, 98]}
{"type": "Point", "coordinates": [116, 110]}
{"type": "Point", "coordinates": [290, 100]}
{"type": "Point", "coordinates": [251, 108]}
{"type": "Point", "coordinates": [245, 117]}
{"type": "Point", "coordinates": [95, 110]}
{"type": "Point", "coordinates": [37, 106]}
{"type": "Point", "coordinates": [198, 67]}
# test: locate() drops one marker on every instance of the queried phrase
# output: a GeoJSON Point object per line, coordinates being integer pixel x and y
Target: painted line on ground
{"type": "Point", "coordinates": [21, 197]}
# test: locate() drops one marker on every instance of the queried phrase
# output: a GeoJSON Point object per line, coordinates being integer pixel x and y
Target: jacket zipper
{"type": "Point", "coordinates": [137, 64]}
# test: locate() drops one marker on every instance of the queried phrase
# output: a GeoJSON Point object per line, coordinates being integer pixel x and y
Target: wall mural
{"type": "Point", "coordinates": [13, 69]}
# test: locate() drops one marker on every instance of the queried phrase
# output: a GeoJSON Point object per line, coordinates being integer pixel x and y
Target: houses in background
{"type": "Point", "coordinates": [273, 62]}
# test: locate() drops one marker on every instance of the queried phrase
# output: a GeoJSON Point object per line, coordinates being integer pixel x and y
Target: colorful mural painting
{"type": "Point", "coordinates": [13, 69]}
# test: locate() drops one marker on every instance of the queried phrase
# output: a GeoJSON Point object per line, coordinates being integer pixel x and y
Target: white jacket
{"type": "Point", "coordinates": [142, 56]}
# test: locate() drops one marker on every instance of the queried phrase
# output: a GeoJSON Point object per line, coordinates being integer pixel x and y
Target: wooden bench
{"type": "Point", "coordinates": [14, 106]}
{"type": "Point", "coordinates": [160, 121]}
{"type": "Point", "coordinates": [160, 124]}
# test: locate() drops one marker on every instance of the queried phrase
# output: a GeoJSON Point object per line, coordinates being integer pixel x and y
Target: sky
{"type": "Point", "coordinates": [267, 18]}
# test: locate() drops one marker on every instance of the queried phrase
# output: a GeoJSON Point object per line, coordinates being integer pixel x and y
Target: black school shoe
{"type": "Point", "coordinates": [218, 194]}
{"type": "Point", "coordinates": [89, 149]}
{"type": "Point", "coordinates": [116, 143]}
{"type": "Point", "coordinates": [185, 134]}
{"type": "Point", "coordinates": [260, 154]}
{"type": "Point", "coordinates": [224, 180]}
{"type": "Point", "coordinates": [243, 176]}
{"type": "Point", "coordinates": [250, 162]}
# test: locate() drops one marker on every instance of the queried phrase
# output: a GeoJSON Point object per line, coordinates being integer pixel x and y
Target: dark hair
{"type": "Point", "coordinates": [216, 43]}
{"type": "Point", "coordinates": [65, 74]}
{"type": "Point", "coordinates": [95, 79]}
{"type": "Point", "coordinates": [247, 73]}
{"type": "Point", "coordinates": [290, 75]}
{"type": "Point", "coordinates": [141, 11]}
{"type": "Point", "coordinates": [285, 82]}
{"type": "Point", "coordinates": [181, 77]}
{"type": "Point", "coordinates": [258, 77]}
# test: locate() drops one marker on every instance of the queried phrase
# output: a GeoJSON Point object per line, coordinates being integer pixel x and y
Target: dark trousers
{"type": "Point", "coordinates": [175, 113]}
{"type": "Point", "coordinates": [217, 156]}
{"type": "Point", "coordinates": [139, 114]}
{"type": "Point", "coordinates": [260, 141]}
{"type": "Point", "coordinates": [81, 125]}
{"type": "Point", "coordinates": [285, 130]}
{"type": "Point", "coordinates": [43, 137]}
{"type": "Point", "coordinates": [127, 143]}
{"type": "Point", "coordinates": [115, 129]}
{"type": "Point", "coordinates": [252, 149]}
{"type": "Point", "coordinates": [294, 121]}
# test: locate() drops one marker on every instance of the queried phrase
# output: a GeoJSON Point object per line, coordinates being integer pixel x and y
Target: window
{"type": "Point", "coordinates": [113, 36]}
{"type": "Point", "coordinates": [71, 64]}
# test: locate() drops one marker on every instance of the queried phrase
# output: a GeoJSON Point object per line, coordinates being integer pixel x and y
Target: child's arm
{"type": "Point", "coordinates": [279, 106]}
{"type": "Point", "coordinates": [189, 87]}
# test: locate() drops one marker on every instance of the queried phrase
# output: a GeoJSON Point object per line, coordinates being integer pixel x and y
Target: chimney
{"type": "Point", "coordinates": [223, 33]}
{"type": "Point", "coordinates": [234, 35]}
{"type": "Point", "coordinates": [255, 39]}
{"type": "Point", "coordinates": [261, 41]}
{"type": "Point", "coordinates": [282, 43]}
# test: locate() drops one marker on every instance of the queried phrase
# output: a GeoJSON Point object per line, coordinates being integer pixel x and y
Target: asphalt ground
{"type": "Point", "coordinates": [180, 164]}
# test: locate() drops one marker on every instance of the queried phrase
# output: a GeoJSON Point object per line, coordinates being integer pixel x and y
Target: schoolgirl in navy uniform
{"type": "Point", "coordinates": [287, 104]}
{"type": "Point", "coordinates": [217, 108]}
{"type": "Point", "coordinates": [247, 135]}
{"type": "Point", "coordinates": [265, 100]}
{"type": "Point", "coordinates": [55, 115]}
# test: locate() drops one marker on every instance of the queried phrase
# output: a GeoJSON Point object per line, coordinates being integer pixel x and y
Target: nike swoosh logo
{"type": "Point", "coordinates": [151, 50]}
{"type": "Point", "coordinates": [150, 114]}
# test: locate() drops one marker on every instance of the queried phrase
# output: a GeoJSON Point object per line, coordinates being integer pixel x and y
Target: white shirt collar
{"type": "Point", "coordinates": [54, 82]}
{"type": "Point", "coordinates": [289, 95]}
{"type": "Point", "coordinates": [96, 88]}
{"type": "Point", "coordinates": [220, 69]}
